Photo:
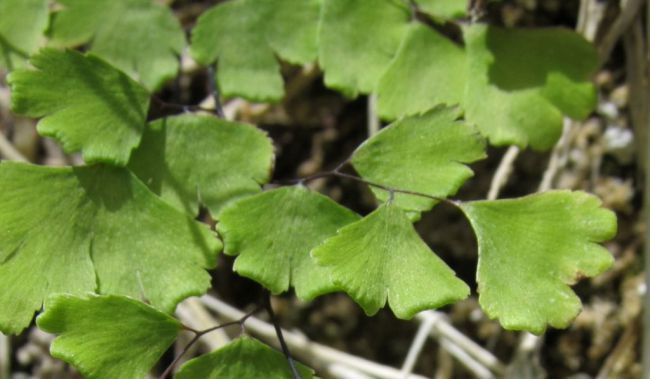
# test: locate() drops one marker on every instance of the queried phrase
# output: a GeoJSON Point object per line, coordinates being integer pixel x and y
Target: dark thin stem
{"type": "Point", "coordinates": [190, 329]}
{"type": "Point", "coordinates": [214, 91]}
{"type": "Point", "coordinates": [200, 333]}
{"type": "Point", "coordinates": [342, 164]}
{"type": "Point", "coordinates": [278, 332]}
{"type": "Point", "coordinates": [187, 347]}
{"type": "Point", "coordinates": [391, 190]}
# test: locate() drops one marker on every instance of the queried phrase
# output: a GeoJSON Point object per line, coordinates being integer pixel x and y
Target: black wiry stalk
{"type": "Point", "coordinates": [214, 91]}
{"type": "Point", "coordinates": [200, 333]}
{"type": "Point", "coordinates": [391, 190]}
{"type": "Point", "coordinates": [278, 332]}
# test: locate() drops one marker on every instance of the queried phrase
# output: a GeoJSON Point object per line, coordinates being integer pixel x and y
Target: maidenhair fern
{"type": "Point", "coordinates": [110, 248]}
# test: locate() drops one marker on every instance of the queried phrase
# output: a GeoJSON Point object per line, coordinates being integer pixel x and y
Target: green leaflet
{"type": "Point", "coordinates": [141, 37]}
{"type": "Point", "coordinates": [357, 41]}
{"type": "Point", "coordinates": [84, 229]}
{"type": "Point", "coordinates": [107, 337]}
{"type": "Point", "coordinates": [381, 258]}
{"type": "Point", "coordinates": [559, 62]}
{"type": "Point", "coordinates": [429, 69]}
{"type": "Point", "coordinates": [521, 81]}
{"type": "Point", "coordinates": [273, 232]}
{"type": "Point", "coordinates": [531, 248]}
{"type": "Point", "coordinates": [443, 8]}
{"type": "Point", "coordinates": [424, 154]}
{"type": "Point", "coordinates": [515, 85]}
{"type": "Point", "coordinates": [243, 37]}
{"type": "Point", "coordinates": [87, 105]}
{"type": "Point", "coordinates": [193, 159]}
{"type": "Point", "coordinates": [241, 359]}
{"type": "Point", "coordinates": [22, 24]}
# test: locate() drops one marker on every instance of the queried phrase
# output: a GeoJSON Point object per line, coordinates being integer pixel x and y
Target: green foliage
{"type": "Point", "coordinates": [243, 37]}
{"type": "Point", "coordinates": [273, 232]}
{"type": "Point", "coordinates": [129, 231]}
{"type": "Point", "coordinates": [417, 79]}
{"type": "Point", "coordinates": [381, 257]}
{"type": "Point", "coordinates": [423, 154]}
{"type": "Point", "coordinates": [107, 337]}
{"type": "Point", "coordinates": [514, 85]}
{"type": "Point", "coordinates": [84, 229]}
{"type": "Point", "coordinates": [87, 104]}
{"type": "Point", "coordinates": [243, 358]}
{"type": "Point", "coordinates": [358, 39]}
{"type": "Point", "coordinates": [141, 37]}
{"type": "Point", "coordinates": [520, 82]}
{"type": "Point", "coordinates": [443, 8]}
{"type": "Point", "coordinates": [216, 171]}
{"type": "Point", "coordinates": [22, 23]}
{"type": "Point", "coordinates": [531, 248]}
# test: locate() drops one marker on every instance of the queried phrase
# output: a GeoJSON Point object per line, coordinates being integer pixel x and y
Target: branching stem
{"type": "Point", "coordinates": [200, 333]}
{"type": "Point", "coordinates": [337, 173]}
